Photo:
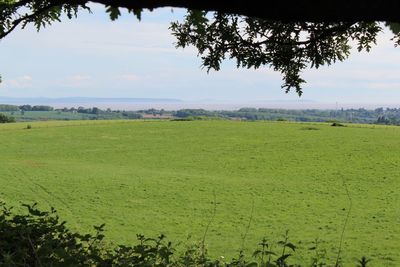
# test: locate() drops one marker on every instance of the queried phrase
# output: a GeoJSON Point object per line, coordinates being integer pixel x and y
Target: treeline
{"type": "Point", "coordinates": [388, 116]}
{"type": "Point", "coordinates": [42, 112]}
{"type": "Point", "coordinates": [11, 108]}
{"type": "Point", "coordinates": [377, 116]}
{"type": "Point", "coordinates": [153, 111]}
{"type": "Point", "coordinates": [35, 108]}
{"type": "Point", "coordinates": [98, 111]}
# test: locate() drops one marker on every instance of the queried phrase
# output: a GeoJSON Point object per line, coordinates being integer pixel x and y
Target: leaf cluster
{"type": "Point", "coordinates": [42, 13]}
{"type": "Point", "coordinates": [38, 13]}
{"type": "Point", "coordinates": [114, 12]}
{"type": "Point", "coordinates": [39, 238]}
{"type": "Point", "coordinates": [287, 47]}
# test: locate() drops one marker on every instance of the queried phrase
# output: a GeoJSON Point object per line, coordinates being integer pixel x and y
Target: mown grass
{"type": "Point", "coordinates": [160, 177]}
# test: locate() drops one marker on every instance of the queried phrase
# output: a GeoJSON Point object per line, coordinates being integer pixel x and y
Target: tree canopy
{"type": "Point", "coordinates": [287, 38]}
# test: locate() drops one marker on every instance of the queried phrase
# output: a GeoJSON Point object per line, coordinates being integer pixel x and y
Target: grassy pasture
{"type": "Point", "coordinates": [160, 177]}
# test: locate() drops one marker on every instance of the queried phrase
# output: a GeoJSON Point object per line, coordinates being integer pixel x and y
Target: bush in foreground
{"type": "Point", "coordinates": [39, 238]}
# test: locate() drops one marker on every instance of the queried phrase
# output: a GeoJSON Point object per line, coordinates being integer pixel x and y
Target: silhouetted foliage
{"type": "Point", "coordinates": [288, 47]}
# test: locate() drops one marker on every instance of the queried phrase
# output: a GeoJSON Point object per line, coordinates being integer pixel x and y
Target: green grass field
{"type": "Point", "coordinates": [160, 177]}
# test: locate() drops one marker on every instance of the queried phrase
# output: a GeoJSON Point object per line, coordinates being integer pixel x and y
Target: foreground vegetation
{"type": "Point", "coordinates": [262, 178]}
{"type": "Point", "coordinates": [40, 238]}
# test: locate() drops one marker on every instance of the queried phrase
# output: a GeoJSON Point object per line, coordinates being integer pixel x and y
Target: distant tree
{"type": "Point", "coordinates": [42, 108]}
{"type": "Point", "coordinates": [183, 113]}
{"type": "Point", "coordinates": [25, 107]}
{"type": "Point", "coordinates": [383, 120]}
{"type": "Point", "coordinates": [81, 110]}
{"type": "Point", "coordinates": [5, 107]}
{"type": "Point", "coordinates": [95, 110]}
{"type": "Point", "coordinates": [248, 110]}
{"type": "Point", "coordinates": [132, 115]}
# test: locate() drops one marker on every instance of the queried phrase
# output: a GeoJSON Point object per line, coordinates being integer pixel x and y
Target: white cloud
{"type": "Point", "coordinates": [26, 78]}
{"type": "Point", "coordinates": [384, 85]}
{"type": "Point", "coordinates": [79, 78]}
{"type": "Point", "coordinates": [24, 81]}
{"type": "Point", "coordinates": [76, 81]}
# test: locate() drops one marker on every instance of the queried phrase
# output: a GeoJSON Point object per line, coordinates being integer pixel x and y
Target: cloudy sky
{"type": "Point", "coordinates": [94, 57]}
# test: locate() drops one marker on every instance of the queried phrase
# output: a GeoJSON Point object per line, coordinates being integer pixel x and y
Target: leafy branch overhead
{"type": "Point", "coordinates": [288, 47]}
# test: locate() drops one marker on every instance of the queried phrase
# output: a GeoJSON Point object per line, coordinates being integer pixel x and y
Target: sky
{"type": "Point", "coordinates": [92, 56]}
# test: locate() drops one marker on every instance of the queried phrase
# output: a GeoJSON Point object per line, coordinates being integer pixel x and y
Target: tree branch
{"type": "Point", "coordinates": [43, 10]}
{"type": "Point", "coordinates": [301, 10]}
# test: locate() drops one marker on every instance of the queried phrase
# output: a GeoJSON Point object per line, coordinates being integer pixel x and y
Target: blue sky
{"type": "Point", "coordinates": [92, 56]}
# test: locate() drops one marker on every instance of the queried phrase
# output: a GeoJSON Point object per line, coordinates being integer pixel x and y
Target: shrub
{"type": "Point", "coordinates": [6, 119]}
{"type": "Point", "coordinates": [309, 128]}
{"type": "Point", "coordinates": [337, 124]}
{"type": "Point", "coordinates": [41, 239]}
{"type": "Point", "coordinates": [183, 119]}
